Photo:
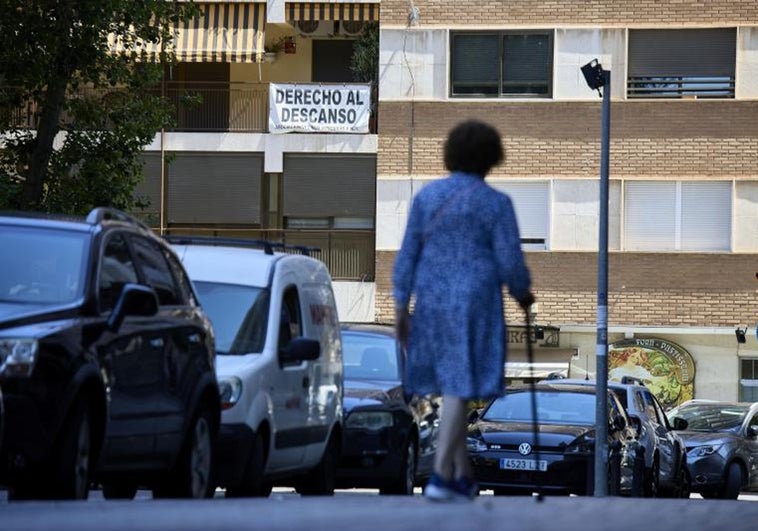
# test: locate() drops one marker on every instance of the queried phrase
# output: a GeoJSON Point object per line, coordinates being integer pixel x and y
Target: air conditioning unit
{"type": "Point", "coordinates": [316, 28]}
{"type": "Point", "coordinates": [351, 28]}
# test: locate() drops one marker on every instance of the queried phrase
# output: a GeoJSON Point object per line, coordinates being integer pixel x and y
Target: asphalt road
{"type": "Point", "coordinates": [365, 510]}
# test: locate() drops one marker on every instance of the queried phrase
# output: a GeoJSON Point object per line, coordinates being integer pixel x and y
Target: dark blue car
{"type": "Point", "coordinates": [388, 443]}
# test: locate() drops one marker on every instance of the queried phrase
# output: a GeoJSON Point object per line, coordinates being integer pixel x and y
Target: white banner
{"type": "Point", "coordinates": [319, 108]}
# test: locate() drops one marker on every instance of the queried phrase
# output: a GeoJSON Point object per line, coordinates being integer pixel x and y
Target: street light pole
{"type": "Point", "coordinates": [596, 78]}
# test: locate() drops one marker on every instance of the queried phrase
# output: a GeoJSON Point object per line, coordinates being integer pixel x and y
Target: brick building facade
{"type": "Point", "coordinates": [688, 139]}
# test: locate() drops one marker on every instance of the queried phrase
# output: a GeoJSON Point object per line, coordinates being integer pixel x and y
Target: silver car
{"type": "Point", "coordinates": [722, 446]}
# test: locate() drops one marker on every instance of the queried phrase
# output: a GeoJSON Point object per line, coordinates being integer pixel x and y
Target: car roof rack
{"type": "Point", "coordinates": [630, 380]}
{"type": "Point", "coordinates": [100, 214]}
{"type": "Point", "coordinates": [267, 246]}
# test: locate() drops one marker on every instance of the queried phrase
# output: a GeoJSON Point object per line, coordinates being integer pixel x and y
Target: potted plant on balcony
{"type": "Point", "coordinates": [271, 50]}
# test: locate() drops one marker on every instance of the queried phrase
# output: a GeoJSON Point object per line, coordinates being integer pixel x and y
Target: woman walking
{"type": "Point", "coordinates": [461, 246]}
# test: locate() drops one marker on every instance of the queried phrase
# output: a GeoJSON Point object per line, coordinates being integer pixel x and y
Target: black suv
{"type": "Point", "coordinates": [106, 362]}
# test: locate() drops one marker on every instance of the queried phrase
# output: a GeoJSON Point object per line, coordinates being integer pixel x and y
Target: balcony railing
{"type": "Point", "coordinates": [680, 87]}
{"type": "Point", "coordinates": [348, 254]}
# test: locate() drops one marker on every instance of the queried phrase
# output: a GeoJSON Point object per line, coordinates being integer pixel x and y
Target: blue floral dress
{"type": "Point", "coordinates": [461, 245]}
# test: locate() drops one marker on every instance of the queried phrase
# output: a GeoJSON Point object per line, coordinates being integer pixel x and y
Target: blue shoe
{"type": "Point", "coordinates": [437, 489]}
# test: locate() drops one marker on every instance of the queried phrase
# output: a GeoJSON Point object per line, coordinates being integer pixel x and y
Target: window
{"type": "Point", "coordinates": [677, 216]}
{"type": "Point", "coordinates": [531, 201]}
{"type": "Point", "coordinates": [502, 63]}
{"type": "Point", "coordinates": [682, 63]}
{"type": "Point", "coordinates": [748, 380]}
{"type": "Point", "coordinates": [156, 271]}
{"type": "Point", "coordinates": [290, 321]}
{"type": "Point", "coordinates": [117, 269]}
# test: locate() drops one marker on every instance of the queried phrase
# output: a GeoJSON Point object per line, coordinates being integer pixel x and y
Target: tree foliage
{"type": "Point", "coordinates": [364, 62]}
{"type": "Point", "coordinates": [61, 73]}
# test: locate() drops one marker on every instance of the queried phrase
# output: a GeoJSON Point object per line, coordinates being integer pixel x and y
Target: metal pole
{"type": "Point", "coordinates": [601, 408]}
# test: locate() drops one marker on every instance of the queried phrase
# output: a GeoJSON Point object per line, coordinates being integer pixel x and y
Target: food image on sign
{"type": "Point", "coordinates": [664, 367]}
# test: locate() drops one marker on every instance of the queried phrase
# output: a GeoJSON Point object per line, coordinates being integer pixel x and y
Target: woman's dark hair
{"type": "Point", "coordinates": [473, 147]}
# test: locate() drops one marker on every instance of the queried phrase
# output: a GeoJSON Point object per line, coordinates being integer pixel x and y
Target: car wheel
{"type": "Point", "coordinates": [320, 480]}
{"type": "Point", "coordinates": [652, 480]}
{"type": "Point", "coordinates": [119, 490]}
{"type": "Point", "coordinates": [733, 482]}
{"type": "Point", "coordinates": [190, 477]}
{"type": "Point", "coordinates": [72, 458]}
{"type": "Point", "coordinates": [252, 484]}
{"type": "Point", "coordinates": [404, 484]}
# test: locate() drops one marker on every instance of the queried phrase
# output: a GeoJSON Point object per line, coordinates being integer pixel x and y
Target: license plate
{"type": "Point", "coordinates": [522, 464]}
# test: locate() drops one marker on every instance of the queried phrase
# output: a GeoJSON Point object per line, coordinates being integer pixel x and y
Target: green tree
{"type": "Point", "coordinates": [365, 60]}
{"type": "Point", "coordinates": [58, 64]}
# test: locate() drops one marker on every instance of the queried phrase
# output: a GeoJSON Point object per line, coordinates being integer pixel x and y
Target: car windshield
{"type": "Point", "coordinates": [42, 266]}
{"type": "Point", "coordinates": [239, 315]}
{"type": "Point", "coordinates": [710, 417]}
{"type": "Point", "coordinates": [369, 357]}
{"type": "Point", "coordinates": [552, 406]}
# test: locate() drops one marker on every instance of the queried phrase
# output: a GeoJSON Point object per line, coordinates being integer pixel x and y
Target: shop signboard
{"type": "Point", "coordinates": [666, 368]}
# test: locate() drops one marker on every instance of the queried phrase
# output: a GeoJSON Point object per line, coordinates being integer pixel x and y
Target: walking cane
{"type": "Point", "coordinates": [535, 425]}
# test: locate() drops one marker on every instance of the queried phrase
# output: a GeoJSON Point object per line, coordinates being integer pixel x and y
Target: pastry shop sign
{"type": "Point", "coordinates": [319, 108]}
{"type": "Point", "coordinates": [666, 368]}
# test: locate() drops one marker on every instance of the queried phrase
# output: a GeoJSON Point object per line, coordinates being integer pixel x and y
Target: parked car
{"type": "Point", "coordinates": [389, 443]}
{"type": "Point", "coordinates": [665, 453]}
{"type": "Point", "coordinates": [722, 446]}
{"type": "Point", "coordinates": [502, 448]}
{"type": "Point", "coordinates": [106, 362]}
{"type": "Point", "coordinates": [279, 364]}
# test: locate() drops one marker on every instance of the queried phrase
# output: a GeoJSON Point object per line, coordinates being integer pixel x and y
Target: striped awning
{"type": "Point", "coordinates": [355, 12]}
{"type": "Point", "coordinates": [224, 33]}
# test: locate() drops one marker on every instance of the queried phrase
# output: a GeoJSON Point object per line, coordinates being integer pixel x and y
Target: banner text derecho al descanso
{"type": "Point", "coordinates": [319, 108]}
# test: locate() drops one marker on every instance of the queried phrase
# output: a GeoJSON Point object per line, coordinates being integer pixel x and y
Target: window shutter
{"type": "Point", "coordinates": [531, 203]}
{"type": "Point", "coordinates": [709, 52]}
{"type": "Point", "coordinates": [329, 186]}
{"type": "Point", "coordinates": [706, 216]}
{"type": "Point", "coordinates": [475, 63]}
{"type": "Point", "coordinates": [650, 216]}
{"type": "Point", "coordinates": [526, 60]}
{"type": "Point", "coordinates": [215, 188]}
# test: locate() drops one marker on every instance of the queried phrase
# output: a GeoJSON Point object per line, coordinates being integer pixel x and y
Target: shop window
{"type": "Point", "coordinates": [682, 63]}
{"type": "Point", "coordinates": [677, 216]}
{"type": "Point", "coordinates": [749, 380]}
{"type": "Point", "coordinates": [502, 64]}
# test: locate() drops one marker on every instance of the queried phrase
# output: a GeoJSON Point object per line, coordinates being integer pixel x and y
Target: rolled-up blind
{"type": "Point", "coordinates": [329, 185]}
{"type": "Point", "coordinates": [215, 188]}
{"type": "Point", "coordinates": [708, 52]}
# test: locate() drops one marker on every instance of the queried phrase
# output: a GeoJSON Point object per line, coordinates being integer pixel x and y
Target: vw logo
{"type": "Point", "coordinates": [525, 448]}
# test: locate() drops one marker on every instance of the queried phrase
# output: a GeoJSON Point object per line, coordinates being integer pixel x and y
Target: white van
{"type": "Point", "coordinates": [279, 364]}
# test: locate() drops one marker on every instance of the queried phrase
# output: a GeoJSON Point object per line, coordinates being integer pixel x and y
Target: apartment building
{"type": "Point", "coordinates": [683, 212]}
{"type": "Point", "coordinates": [272, 139]}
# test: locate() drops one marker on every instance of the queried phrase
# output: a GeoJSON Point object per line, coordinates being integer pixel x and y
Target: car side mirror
{"type": "Point", "coordinates": [299, 349]}
{"type": "Point", "coordinates": [473, 415]}
{"type": "Point", "coordinates": [752, 431]}
{"type": "Point", "coordinates": [678, 423]}
{"type": "Point", "coordinates": [135, 299]}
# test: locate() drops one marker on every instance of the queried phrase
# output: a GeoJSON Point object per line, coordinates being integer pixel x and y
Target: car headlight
{"type": "Point", "coordinates": [370, 420]}
{"type": "Point", "coordinates": [702, 451]}
{"type": "Point", "coordinates": [17, 357]}
{"type": "Point", "coordinates": [475, 445]}
{"type": "Point", "coordinates": [229, 390]}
